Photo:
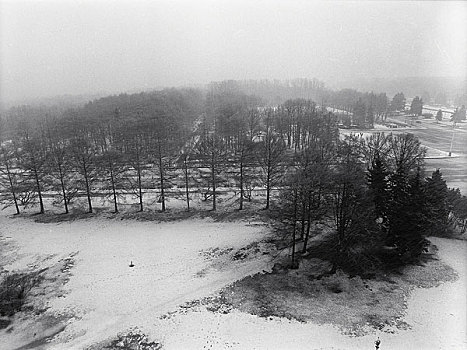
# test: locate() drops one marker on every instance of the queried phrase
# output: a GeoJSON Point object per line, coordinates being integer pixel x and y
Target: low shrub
{"type": "Point", "coordinates": [14, 289]}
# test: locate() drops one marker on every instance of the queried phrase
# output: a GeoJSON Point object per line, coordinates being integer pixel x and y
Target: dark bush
{"type": "Point", "coordinates": [14, 289]}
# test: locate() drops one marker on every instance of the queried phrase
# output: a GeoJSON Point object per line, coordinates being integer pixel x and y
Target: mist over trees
{"type": "Point", "coordinates": [426, 87]}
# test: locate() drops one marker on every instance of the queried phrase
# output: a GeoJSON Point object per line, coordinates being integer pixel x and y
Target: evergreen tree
{"type": "Point", "coordinates": [398, 102]}
{"type": "Point", "coordinates": [379, 187]}
{"type": "Point", "coordinates": [417, 106]}
{"type": "Point", "coordinates": [359, 113]}
{"type": "Point", "coordinates": [406, 217]}
{"type": "Point", "coordinates": [458, 115]}
{"type": "Point", "coordinates": [417, 217]}
{"type": "Point", "coordinates": [457, 204]}
{"type": "Point", "coordinates": [437, 203]}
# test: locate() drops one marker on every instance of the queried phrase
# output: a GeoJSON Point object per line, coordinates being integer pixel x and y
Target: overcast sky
{"type": "Point", "coordinates": [76, 47]}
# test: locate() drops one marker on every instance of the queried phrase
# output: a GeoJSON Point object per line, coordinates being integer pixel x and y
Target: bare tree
{"type": "Point", "coordinates": [83, 156]}
{"type": "Point", "coordinates": [60, 169]}
{"type": "Point", "coordinates": [165, 142]}
{"type": "Point", "coordinates": [112, 162]}
{"type": "Point", "coordinates": [111, 158]}
{"type": "Point", "coordinates": [406, 153]}
{"type": "Point", "coordinates": [31, 155]}
{"type": "Point", "coordinates": [186, 177]}
{"type": "Point", "coordinates": [271, 157]}
{"type": "Point", "coordinates": [211, 151]}
{"type": "Point", "coordinates": [244, 158]}
{"type": "Point", "coordinates": [136, 156]}
{"type": "Point", "coordinates": [8, 173]}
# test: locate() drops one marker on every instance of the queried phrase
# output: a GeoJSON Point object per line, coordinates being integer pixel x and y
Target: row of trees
{"type": "Point", "coordinates": [108, 154]}
{"type": "Point", "coordinates": [356, 108]}
{"type": "Point", "coordinates": [152, 148]}
{"type": "Point", "coordinates": [363, 109]}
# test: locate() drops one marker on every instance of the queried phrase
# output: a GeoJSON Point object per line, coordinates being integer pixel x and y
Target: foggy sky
{"type": "Point", "coordinates": [75, 47]}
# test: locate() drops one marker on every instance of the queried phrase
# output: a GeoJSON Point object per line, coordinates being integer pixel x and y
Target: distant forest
{"type": "Point", "coordinates": [440, 90]}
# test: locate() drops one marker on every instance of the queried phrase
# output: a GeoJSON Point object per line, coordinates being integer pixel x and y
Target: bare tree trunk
{"type": "Point", "coordinates": [140, 191]}
{"type": "Point", "coordinates": [268, 155]}
{"type": "Point", "coordinates": [308, 227]}
{"type": "Point", "coordinates": [294, 228]}
{"type": "Point", "coordinates": [39, 192]}
{"type": "Point", "coordinates": [62, 184]}
{"type": "Point", "coordinates": [213, 174]}
{"type": "Point", "coordinates": [268, 189]}
{"type": "Point", "coordinates": [162, 175]}
{"type": "Point", "coordinates": [88, 191]}
{"type": "Point", "coordinates": [12, 188]}
{"type": "Point", "coordinates": [138, 171]}
{"type": "Point", "coordinates": [114, 191]}
{"type": "Point", "coordinates": [303, 217]}
{"type": "Point", "coordinates": [185, 165]}
{"type": "Point", "coordinates": [241, 182]}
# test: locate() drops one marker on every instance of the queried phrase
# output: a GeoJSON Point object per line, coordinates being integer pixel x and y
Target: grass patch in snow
{"type": "Point", "coordinates": [24, 296]}
{"type": "Point", "coordinates": [173, 214]}
{"type": "Point", "coordinates": [133, 339]}
{"type": "Point", "coordinates": [14, 289]}
{"type": "Point", "coordinates": [354, 305]}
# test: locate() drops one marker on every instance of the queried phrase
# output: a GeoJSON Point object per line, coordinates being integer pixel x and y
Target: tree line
{"type": "Point", "coordinates": [179, 142]}
{"type": "Point", "coordinates": [109, 147]}
{"type": "Point", "coordinates": [173, 143]}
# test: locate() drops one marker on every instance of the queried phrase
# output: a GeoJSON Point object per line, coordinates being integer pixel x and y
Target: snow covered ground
{"type": "Point", "coordinates": [179, 262]}
{"type": "Point", "coordinates": [436, 319]}
{"type": "Point", "coordinates": [174, 264]}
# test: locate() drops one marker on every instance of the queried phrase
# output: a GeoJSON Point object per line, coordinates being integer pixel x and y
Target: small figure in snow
{"type": "Point", "coordinates": [377, 342]}
{"type": "Point", "coordinates": [131, 264]}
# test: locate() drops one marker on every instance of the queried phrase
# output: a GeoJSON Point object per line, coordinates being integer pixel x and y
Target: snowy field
{"type": "Point", "coordinates": [174, 264]}
{"type": "Point", "coordinates": [180, 262]}
{"type": "Point", "coordinates": [439, 138]}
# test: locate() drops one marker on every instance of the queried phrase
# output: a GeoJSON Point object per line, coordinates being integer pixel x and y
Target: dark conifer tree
{"type": "Point", "coordinates": [437, 203]}
{"type": "Point", "coordinates": [359, 113]}
{"type": "Point", "coordinates": [379, 187]}
{"type": "Point", "coordinates": [398, 102]}
{"type": "Point", "coordinates": [416, 106]}
{"type": "Point", "coordinates": [407, 217]}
